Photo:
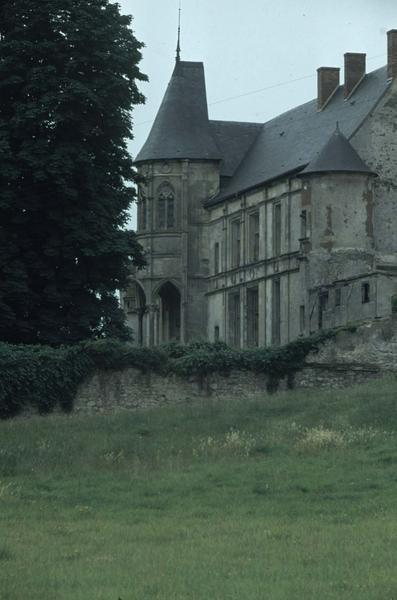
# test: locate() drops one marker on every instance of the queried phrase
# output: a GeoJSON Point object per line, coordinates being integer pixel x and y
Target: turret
{"type": "Point", "coordinates": [337, 201]}
{"type": "Point", "coordinates": [180, 167]}
{"type": "Point", "coordinates": [339, 193]}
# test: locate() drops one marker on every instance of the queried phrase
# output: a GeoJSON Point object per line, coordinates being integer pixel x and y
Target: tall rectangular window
{"type": "Point", "coordinates": [162, 209]}
{"type": "Point", "coordinates": [277, 229]}
{"type": "Point", "coordinates": [252, 316]}
{"type": "Point", "coordinates": [253, 226]}
{"type": "Point", "coordinates": [142, 210]}
{"type": "Point", "coordinates": [276, 312]}
{"type": "Point", "coordinates": [170, 213]}
{"type": "Point", "coordinates": [236, 243]}
{"type": "Point", "coordinates": [302, 319]}
{"type": "Point", "coordinates": [166, 207]}
{"type": "Point", "coordinates": [234, 319]}
{"type": "Point", "coordinates": [216, 258]}
{"type": "Point", "coordinates": [143, 214]}
{"type": "Point", "coordinates": [338, 296]}
{"type": "Point", "coordinates": [322, 308]}
{"type": "Point", "coordinates": [304, 224]}
{"type": "Point", "coordinates": [365, 293]}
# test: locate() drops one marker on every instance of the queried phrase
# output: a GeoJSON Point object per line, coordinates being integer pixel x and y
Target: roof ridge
{"type": "Point", "coordinates": [256, 123]}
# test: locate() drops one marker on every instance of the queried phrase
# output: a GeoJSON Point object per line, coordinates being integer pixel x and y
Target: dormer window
{"type": "Point", "coordinates": [166, 207]}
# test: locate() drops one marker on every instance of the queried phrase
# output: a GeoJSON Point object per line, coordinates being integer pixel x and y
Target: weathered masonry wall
{"type": "Point", "coordinates": [114, 391]}
{"type": "Point", "coordinates": [350, 359]}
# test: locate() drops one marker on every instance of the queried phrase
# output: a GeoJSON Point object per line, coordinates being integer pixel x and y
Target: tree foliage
{"type": "Point", "coordinates": [68, 80]}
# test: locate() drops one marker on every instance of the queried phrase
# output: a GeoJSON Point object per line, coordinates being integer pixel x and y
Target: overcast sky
{"type": "Point", "coordinates": [247, 46]}
{"type": "Point", "coordinates": [251, 45]}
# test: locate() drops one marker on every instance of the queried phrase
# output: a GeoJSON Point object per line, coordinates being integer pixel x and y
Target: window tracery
{"type": "Point", "coordinates": [166, 207]}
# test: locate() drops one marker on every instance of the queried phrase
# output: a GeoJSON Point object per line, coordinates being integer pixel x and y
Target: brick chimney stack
{"type": "Point", "coordinates": [354, 71]}
{"type": "Point", "coordinates": [392, 54]}
{"type": "Point", "coordinates": [327, 84]}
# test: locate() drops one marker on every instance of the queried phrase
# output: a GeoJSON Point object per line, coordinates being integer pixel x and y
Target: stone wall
{"type": "Point", "coordinates": [350, 359]}
{"type": "Point", "coordinates": [110, 391]}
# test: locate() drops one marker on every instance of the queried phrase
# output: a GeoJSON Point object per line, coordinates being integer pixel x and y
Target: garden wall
{"type": "Point", "coordinates": [108, 391]}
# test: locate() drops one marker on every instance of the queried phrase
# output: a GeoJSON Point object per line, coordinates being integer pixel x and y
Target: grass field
{"type": "Point", "coordinates": [294, 497]}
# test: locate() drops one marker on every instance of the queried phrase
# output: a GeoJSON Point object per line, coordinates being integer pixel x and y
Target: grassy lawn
{"type": "Point", "coordinates": [291, 498]}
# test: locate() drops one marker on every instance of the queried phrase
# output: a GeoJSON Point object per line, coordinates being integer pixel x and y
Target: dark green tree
{"type": "Point", "coordinates": [68, 81]}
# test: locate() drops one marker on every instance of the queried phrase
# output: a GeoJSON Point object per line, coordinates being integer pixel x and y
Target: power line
{"type": "Point", "coordinates": [258, 91]}
{"type": "Point", "coordinates": [269, 87]}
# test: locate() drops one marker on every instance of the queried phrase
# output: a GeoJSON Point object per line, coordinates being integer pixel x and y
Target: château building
{"type": "Point", "coordinates": [258, 233]}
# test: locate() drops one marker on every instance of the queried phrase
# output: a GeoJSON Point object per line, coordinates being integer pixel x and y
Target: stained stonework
{"type": "Point", "coordinates": [108, 392]}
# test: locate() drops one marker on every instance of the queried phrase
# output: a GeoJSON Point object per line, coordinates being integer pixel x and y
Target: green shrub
{"type": "Point", "coordinates": [41, 377]}
{"type": "Point", "coordinates": [113, 354]}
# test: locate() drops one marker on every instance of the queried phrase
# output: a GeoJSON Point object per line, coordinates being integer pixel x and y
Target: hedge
{"type": "Point", "coordinates": [41, 377]}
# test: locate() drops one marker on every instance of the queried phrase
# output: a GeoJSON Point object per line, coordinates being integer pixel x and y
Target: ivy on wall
{"type": "Point", "coordinates": [42, 377]}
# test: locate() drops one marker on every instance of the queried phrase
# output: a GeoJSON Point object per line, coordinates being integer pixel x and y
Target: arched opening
{"type": "Point", "coordinates": [170, 313]}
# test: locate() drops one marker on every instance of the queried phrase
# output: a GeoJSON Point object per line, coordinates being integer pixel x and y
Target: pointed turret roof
{"type": "Point", "coordinates": [337, 156]}
{"type": "Point", "coordinates": [181, 129]}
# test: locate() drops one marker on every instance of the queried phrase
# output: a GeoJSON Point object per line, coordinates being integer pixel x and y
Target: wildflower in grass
{"type": "Point", "coordinates": [114, 456]}
{"type": "Point", "coordinates": [234, 442]}
{"type": "Point", "coordinates": [43, 444]}
{"type": "Point", "coordinates": [320, 437]}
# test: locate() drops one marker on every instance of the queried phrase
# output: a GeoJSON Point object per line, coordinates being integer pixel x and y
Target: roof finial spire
{"type": "Point", "coordinates": [178, 47]}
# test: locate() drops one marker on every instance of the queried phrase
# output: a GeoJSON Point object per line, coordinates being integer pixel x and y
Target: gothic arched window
{"type": "Point", "coordinates": [166, 207]}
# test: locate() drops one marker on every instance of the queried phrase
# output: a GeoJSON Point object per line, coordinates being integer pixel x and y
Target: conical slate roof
{"type": "Point", "coordinates": [181, 129]}
{"type": "Point", "coordinates": [337, 156]}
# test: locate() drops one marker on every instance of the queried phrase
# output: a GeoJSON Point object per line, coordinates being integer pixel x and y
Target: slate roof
{"type": "Point", "coordinates": [289, 142]}
{"type": "Point", "coordinates": [251, 154]}
{"type": "Point", "coordinates": [337, 156]}
{"type": "Point", "coordinates": [233, 140]}
{"type": "Point", "coordinates": [181, 128]}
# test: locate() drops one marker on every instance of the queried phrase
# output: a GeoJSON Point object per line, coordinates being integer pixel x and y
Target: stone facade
{"type": "Point", "coordinates": [248, 239]}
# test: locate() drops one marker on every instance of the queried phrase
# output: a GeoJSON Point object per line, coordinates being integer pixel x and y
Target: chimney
{"type": "Point", "coordinates": [392, 54]}
{"type": "Point", "coordinates": [354, 71]}
{"type": "Point", "coordinates": [327, 84]}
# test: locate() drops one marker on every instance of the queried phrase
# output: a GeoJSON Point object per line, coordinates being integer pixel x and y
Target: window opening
{"type": "Point", "coordinates": [338, 296]}
{"type": "Point", "coordinates": [166, 208]}
{"type": "Point", "coordinates": [254, 236]}
{"type": "Point", "coordinates": [322, 308]}
{"type": "Point", "coordinates": [277, 229]}
{"type": "Point", "coordinates": [252, 316]}
{"type": "Point", "coordinates": [234, 319]}
{"type": "Point", "coordinates": [302, 319]}
{"type": "Point", "coordinates": [365, 293]}
{"type": "Point", "coordinates": [216, 258]}
{"type": "Point", "coordinates": [276, 312]}
{"type": "Point", "coordinates": [236, 243]}
{"type": "Point", "coordinates": [142, 211]}
{"type": "Point", "coordinates": [304, 224]}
